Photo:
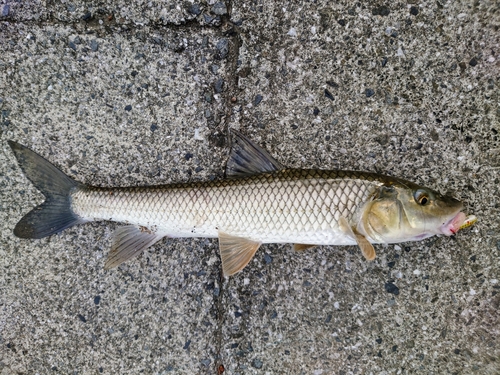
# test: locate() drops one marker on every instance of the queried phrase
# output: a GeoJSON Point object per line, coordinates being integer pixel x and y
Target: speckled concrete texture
{"type": "Point", "coordinates": [134, 93]}
{"type": "Point", "coordinates": [117, 13]}
{"type": "Point", "coordinates": [125, 107]}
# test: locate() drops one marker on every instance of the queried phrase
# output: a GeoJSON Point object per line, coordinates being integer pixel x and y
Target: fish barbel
{"type": "Point", "coordinates": [260, 202]}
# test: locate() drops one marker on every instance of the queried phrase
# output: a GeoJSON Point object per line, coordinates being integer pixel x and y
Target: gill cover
{"type": "Point", "coordinates": [384, 216]}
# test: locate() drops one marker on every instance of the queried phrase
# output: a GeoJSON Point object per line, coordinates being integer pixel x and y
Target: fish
{"type": "Point", "coordinates": [258, 202]}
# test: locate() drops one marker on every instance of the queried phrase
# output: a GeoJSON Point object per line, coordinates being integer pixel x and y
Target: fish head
{"type": "Point", "coordinates": [409, 212]}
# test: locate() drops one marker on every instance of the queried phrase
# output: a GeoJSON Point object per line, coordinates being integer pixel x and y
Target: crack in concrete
{"type": "Point", "coordinates": [231, 78]}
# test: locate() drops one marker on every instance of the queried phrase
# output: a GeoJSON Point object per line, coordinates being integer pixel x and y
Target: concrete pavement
{"type": "Point", "coordinates": [119, 93]}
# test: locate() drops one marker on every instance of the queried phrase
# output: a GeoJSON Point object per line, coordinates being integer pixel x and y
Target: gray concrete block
{"type": "Point", "coordinates": [352, 86]}
{"type": "Point", "coordinates": [110, 13]}
{"type": "Point", "coordinates": [130, 112]}
{"type": "Point", "coordinates": [24, 11]}
{"type": "Point", "coordinates": [147, 97]}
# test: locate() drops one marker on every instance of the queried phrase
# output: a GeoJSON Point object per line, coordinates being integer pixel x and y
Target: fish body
{"type": "Point", "coordinates": [297, 206]}
{"type": "Point", "coordinates": [260, 202]}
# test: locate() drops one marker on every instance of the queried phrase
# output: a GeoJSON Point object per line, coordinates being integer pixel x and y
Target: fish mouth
{"type": "Point", "coordinates": [453, 225]}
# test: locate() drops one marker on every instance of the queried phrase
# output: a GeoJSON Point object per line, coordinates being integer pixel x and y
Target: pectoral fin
{"type": "Point", "coordinates": [366, 247]}
{"type": "Point", "coordinates": [301, 246]}
{"type": "Point", "coordinates": [235, 252]}
{"type": "Point", "coordinates": [129, 241]}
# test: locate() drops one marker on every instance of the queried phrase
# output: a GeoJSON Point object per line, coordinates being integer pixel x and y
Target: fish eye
{"type": "Point", "coordinates": [421, 197]}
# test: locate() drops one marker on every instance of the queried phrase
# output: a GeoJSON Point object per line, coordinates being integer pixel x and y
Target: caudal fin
{"type": "Point", "coordinates": [55, 214]}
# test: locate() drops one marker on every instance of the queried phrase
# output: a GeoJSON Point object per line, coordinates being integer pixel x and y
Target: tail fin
{"type": "Point", "coordinates": [55, 214]}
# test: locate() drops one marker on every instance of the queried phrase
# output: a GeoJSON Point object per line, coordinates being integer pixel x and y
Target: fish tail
{"type": "Point", "coordinates": [55, 214]}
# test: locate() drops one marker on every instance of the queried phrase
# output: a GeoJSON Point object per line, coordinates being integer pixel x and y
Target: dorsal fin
{"type": "Point", "coordinates": [247, 158]}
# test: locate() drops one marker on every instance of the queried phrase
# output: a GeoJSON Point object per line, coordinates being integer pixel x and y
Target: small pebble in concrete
{"type": "Point", "coordinates": [223, 47]}
{"type": "Point", "coordinates": [381, 11]}
{"type": "Point", "coordinates": [195, 9]}
{"type": "Point", "coordinates": [369, 93]}
{"type": "Point", "coordinates": [5, 10]}
{"type": "Point", "coordinates": [391, 288]}
{"type": "Point", "coordinates": [413, 10]}
{"type": "Point", "coordinates": [219, 85]}
{"type": "Point", "coordinates": [207, 18]}
{"type": "Point", "coordinates": [219, 8]}
{"type": "Point", "coordinates": [332, 84]}
{"type": "Point", "coordinates": [257, 363]}
{"type": "Point", "coordinates": [205, 362]}
{"type": "Point", "coordinates": [328, 94]}
{"type": "Point", "coordinates": [94, 45]}
{"type": "Point", "coordinates": [258, 99]}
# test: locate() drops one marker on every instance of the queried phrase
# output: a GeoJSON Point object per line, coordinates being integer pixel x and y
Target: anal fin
{"type": "Point", "coordinates": [366, 247]}
{"type": "Point", "coordinates": [129, 241]}
{"type": "Point", "coordinates": [235, 252]}
{"type": "Point", "coordinates": [302, 246]}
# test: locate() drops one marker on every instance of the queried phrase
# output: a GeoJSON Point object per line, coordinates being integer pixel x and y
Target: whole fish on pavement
{"type": "Point", "coordinates": [259, 202]}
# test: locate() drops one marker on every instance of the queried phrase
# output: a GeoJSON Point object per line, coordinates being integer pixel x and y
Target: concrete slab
{"type": "Point", "coordinates": [102, 107]}
{"type": "Point", "coordinates": [139, 13]}
{"type": "Point", "coordinates": [23, 11]}
{"type": "Point", "coordinates": [107, 13]}
{"type": "Point", "coordinates": [404, 89]}
{"type": "Point", "coordinates": [407, 89]}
